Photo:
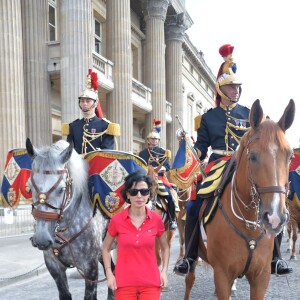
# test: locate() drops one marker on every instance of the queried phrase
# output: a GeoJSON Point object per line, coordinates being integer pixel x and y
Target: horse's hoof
{"type": "Point", "coordinates": [293, 257]}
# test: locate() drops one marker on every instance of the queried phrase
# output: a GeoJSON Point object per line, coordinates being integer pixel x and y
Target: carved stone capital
{"type": "Point", "coordinates": [156, 9]}
{"type": "Point", "coordinates": [175, 27]}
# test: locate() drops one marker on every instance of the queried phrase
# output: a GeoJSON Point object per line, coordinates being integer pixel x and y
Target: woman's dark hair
{"type": "Point", "coordinates": [135, 177]}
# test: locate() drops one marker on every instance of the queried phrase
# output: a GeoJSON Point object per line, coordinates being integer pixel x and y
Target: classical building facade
{"type": "Point", "coordinates": [147, 68]}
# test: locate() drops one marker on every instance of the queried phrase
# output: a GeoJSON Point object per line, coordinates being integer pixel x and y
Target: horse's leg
{"type": "Point", "coordinates": [91, 287]}
{"type": "Point", "coordinates": [259, 285]}
{"type": "Point", "coordinates": [222, 285]}
{"type": "Point", "coordinates": [180, 224]}
{"type": "Point", "coordinates": [58, 273]}
{"type": "Point", "coordinates": [288, 230]}
{"type": "Point", "coordinates": [294, 237]}
{"type": "Point", "coordinates": [189, 283]}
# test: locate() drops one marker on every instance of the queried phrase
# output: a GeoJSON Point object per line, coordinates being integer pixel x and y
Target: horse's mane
{"type": "Point", "coordinates": [47, 158]}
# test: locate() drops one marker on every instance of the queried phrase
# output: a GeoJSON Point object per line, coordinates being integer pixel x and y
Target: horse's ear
{"type": "Point", "coordinates": [288, 116]}
{"type": "Point", "coordinates": [66, 154]}
{"type": "Point", "coordinates": [30, 148]}
{"type": "Point", "coordinates": [256, 114]}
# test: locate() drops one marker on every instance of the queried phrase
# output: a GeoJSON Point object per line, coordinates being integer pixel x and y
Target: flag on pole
{"type": "Point", "coordinates": [186, 167]}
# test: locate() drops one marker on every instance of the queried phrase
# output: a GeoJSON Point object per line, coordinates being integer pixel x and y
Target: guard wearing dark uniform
{"type": "Point", "coordinates": [221, 128]}
{"type": "Point", "coordinates": [159, 158]}
{"type": "Point", "coordinates": [92, 132]}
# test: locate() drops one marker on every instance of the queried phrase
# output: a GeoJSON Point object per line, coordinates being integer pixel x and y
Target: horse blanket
{"type": "Point", "coordinates": [107, 172]}
{"type": "Point", "coordinates": [15, 178]}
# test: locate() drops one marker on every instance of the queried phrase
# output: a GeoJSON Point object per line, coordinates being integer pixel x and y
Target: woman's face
{"type": "Point", "coordinates": [138, 194]}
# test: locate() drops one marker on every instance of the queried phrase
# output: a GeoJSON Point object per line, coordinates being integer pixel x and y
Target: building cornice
{"type": "Point", "coordinates": [198, 60]}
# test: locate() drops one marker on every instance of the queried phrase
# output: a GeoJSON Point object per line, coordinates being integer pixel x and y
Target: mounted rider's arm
{"type": "Point", "coordinates": [202, 143]}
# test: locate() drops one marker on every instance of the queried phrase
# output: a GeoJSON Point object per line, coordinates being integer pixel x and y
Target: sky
{"type": "Point", "coordinates": [266, 39]}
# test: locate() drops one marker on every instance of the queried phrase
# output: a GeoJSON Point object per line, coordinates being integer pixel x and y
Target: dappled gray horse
{"type": "Point", "coordinates": [67, 230]}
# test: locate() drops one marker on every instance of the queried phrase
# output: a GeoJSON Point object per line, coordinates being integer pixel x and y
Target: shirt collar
{"type": "Point", "coordinates": [231, 106]}
{"type": "Point", "coordinates": [148, 213]}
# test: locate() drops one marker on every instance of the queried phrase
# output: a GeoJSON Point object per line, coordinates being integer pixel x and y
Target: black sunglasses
{"type": "Point", "coordinates": [134, 192]}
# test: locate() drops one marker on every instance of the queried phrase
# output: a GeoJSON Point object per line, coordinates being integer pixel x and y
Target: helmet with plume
{"type": "Point", "coordinates": [155, 133]}
{"type": "Point", "coordinates": [226, 74]}
{"type": "Point", "coordinates": [91, 91]}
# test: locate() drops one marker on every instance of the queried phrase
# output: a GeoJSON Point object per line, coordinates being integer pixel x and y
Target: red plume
{"type": "Point", "coordinates": [98, 111]}
{"type": "Point", "coordinates": [225, 50]}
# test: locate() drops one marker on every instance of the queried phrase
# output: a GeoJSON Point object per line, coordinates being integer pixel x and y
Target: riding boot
{"type": "Point", "coordinates": [278, 266]}
{"type": "Point", "coordinates": [192, 231]}
{"type": "Point", "coordinates": [171, 210]}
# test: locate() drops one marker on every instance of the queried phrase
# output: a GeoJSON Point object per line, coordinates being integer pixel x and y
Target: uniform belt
{"type": "Point", "coordinates": [222, 152]}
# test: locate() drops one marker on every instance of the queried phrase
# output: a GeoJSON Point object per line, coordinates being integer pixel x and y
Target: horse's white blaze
{"type": "Point", "coordinates": [274, 218]}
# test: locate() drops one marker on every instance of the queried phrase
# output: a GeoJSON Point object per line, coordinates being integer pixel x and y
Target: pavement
{"type": "Point", "coordinates": [22, 269]}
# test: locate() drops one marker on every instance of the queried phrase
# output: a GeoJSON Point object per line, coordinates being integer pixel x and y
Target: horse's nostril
{"type": "Point", "coordinates": [265, 217]}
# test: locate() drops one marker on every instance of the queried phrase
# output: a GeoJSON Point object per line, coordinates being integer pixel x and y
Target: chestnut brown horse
{"type": "Point", "coordinates": [252, 208]}
{"type": "Point", "coordinates": [294, 203]}
{"type": "Point", "coordinates": [293, 226]}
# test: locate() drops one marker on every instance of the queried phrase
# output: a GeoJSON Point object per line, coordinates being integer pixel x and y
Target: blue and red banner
{"type": "Point", "coordinates": [107, 172]}
{"type": "Point", "coordinates": [185, 167]}
{"type": "Point", "coordinates": [15, 178]}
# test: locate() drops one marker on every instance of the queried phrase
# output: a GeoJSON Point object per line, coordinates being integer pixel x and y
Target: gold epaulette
{"type": "Point", "coordinates": [65, 129]}
{"type": "Point", "coordinates": [113, 129]}
{"type": "Point", "coordinates": [168, 153]}
{"type": "Point", "coordinates": [197, 122]}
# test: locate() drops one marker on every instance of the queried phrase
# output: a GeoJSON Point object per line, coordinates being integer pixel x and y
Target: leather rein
{"type": "Point", "coordinates": [51, 216]}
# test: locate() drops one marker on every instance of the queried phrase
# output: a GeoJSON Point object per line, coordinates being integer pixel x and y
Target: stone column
{"type": "Point", "coordinates": [12, 112]}
{"type": "Point", "coordinates": [155, 13]}
{"type": "Point", "coordinates": [119, 102]}
{"type": "Point", "coordinates": [76, 59]}
{"type": "Point", "coordinates": [175, 28]}
{"type": "Point", "coordinates": [38, 110]}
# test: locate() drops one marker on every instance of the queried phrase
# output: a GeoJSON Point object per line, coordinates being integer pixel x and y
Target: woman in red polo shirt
{"type": "Point", "coordinates": [136, 228]}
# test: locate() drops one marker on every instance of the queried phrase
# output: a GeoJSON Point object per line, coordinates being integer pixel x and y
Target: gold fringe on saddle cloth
{"type": "Point", "coordinates": [213, 179]}
{"type": "Point", "coordinates": [161, 191]}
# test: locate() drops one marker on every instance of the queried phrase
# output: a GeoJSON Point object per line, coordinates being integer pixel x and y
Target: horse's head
{"type": "Point", "coordinates": [56, 171]}
{"type": "Point", "coordinates": [264, 156]}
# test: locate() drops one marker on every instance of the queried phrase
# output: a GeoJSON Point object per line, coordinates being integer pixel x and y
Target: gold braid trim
{"type": "Point", "coordinates": [113, 129]}
{"type": "Point", "coordinates": [65, 129]}
{"type": "Point", "coordinates": [91, 155]}
{"type": "Point", "coordinates": [197, 122]}
{"type": "Point", "coordinates": [19, 152]}
{"type": "Point", "coordinates": [88, 137]}
{"type": "Point", "coordinates": [168, 153]}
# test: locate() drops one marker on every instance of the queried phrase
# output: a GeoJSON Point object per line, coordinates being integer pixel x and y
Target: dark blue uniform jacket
{"type": "Point", "coordinates": [94, 125]}
{"type": "Point", "coordinates": [213, 126]}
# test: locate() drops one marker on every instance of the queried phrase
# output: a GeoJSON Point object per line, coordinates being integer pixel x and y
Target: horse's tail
{"type": "Point", "coordinates": [202, 247]}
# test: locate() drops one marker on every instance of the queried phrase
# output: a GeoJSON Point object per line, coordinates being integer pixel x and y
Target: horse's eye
{"type": "Point", "coordinates": [62, 190]}
{"type": "Point", "coordinates": [253, 157]}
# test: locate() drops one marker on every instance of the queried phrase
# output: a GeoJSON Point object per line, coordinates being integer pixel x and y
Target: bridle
{"type": "Point", "coordinates": [255, 193]}
{"type": "Point", "coordinates": [44, 196]}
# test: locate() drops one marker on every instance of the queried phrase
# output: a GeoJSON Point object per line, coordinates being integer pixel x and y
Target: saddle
{"type": "Point", "coordinates": [210, 203]}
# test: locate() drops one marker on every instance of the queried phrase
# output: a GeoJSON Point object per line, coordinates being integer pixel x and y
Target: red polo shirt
{"type": "Point", "coordinates": [136, 262]}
